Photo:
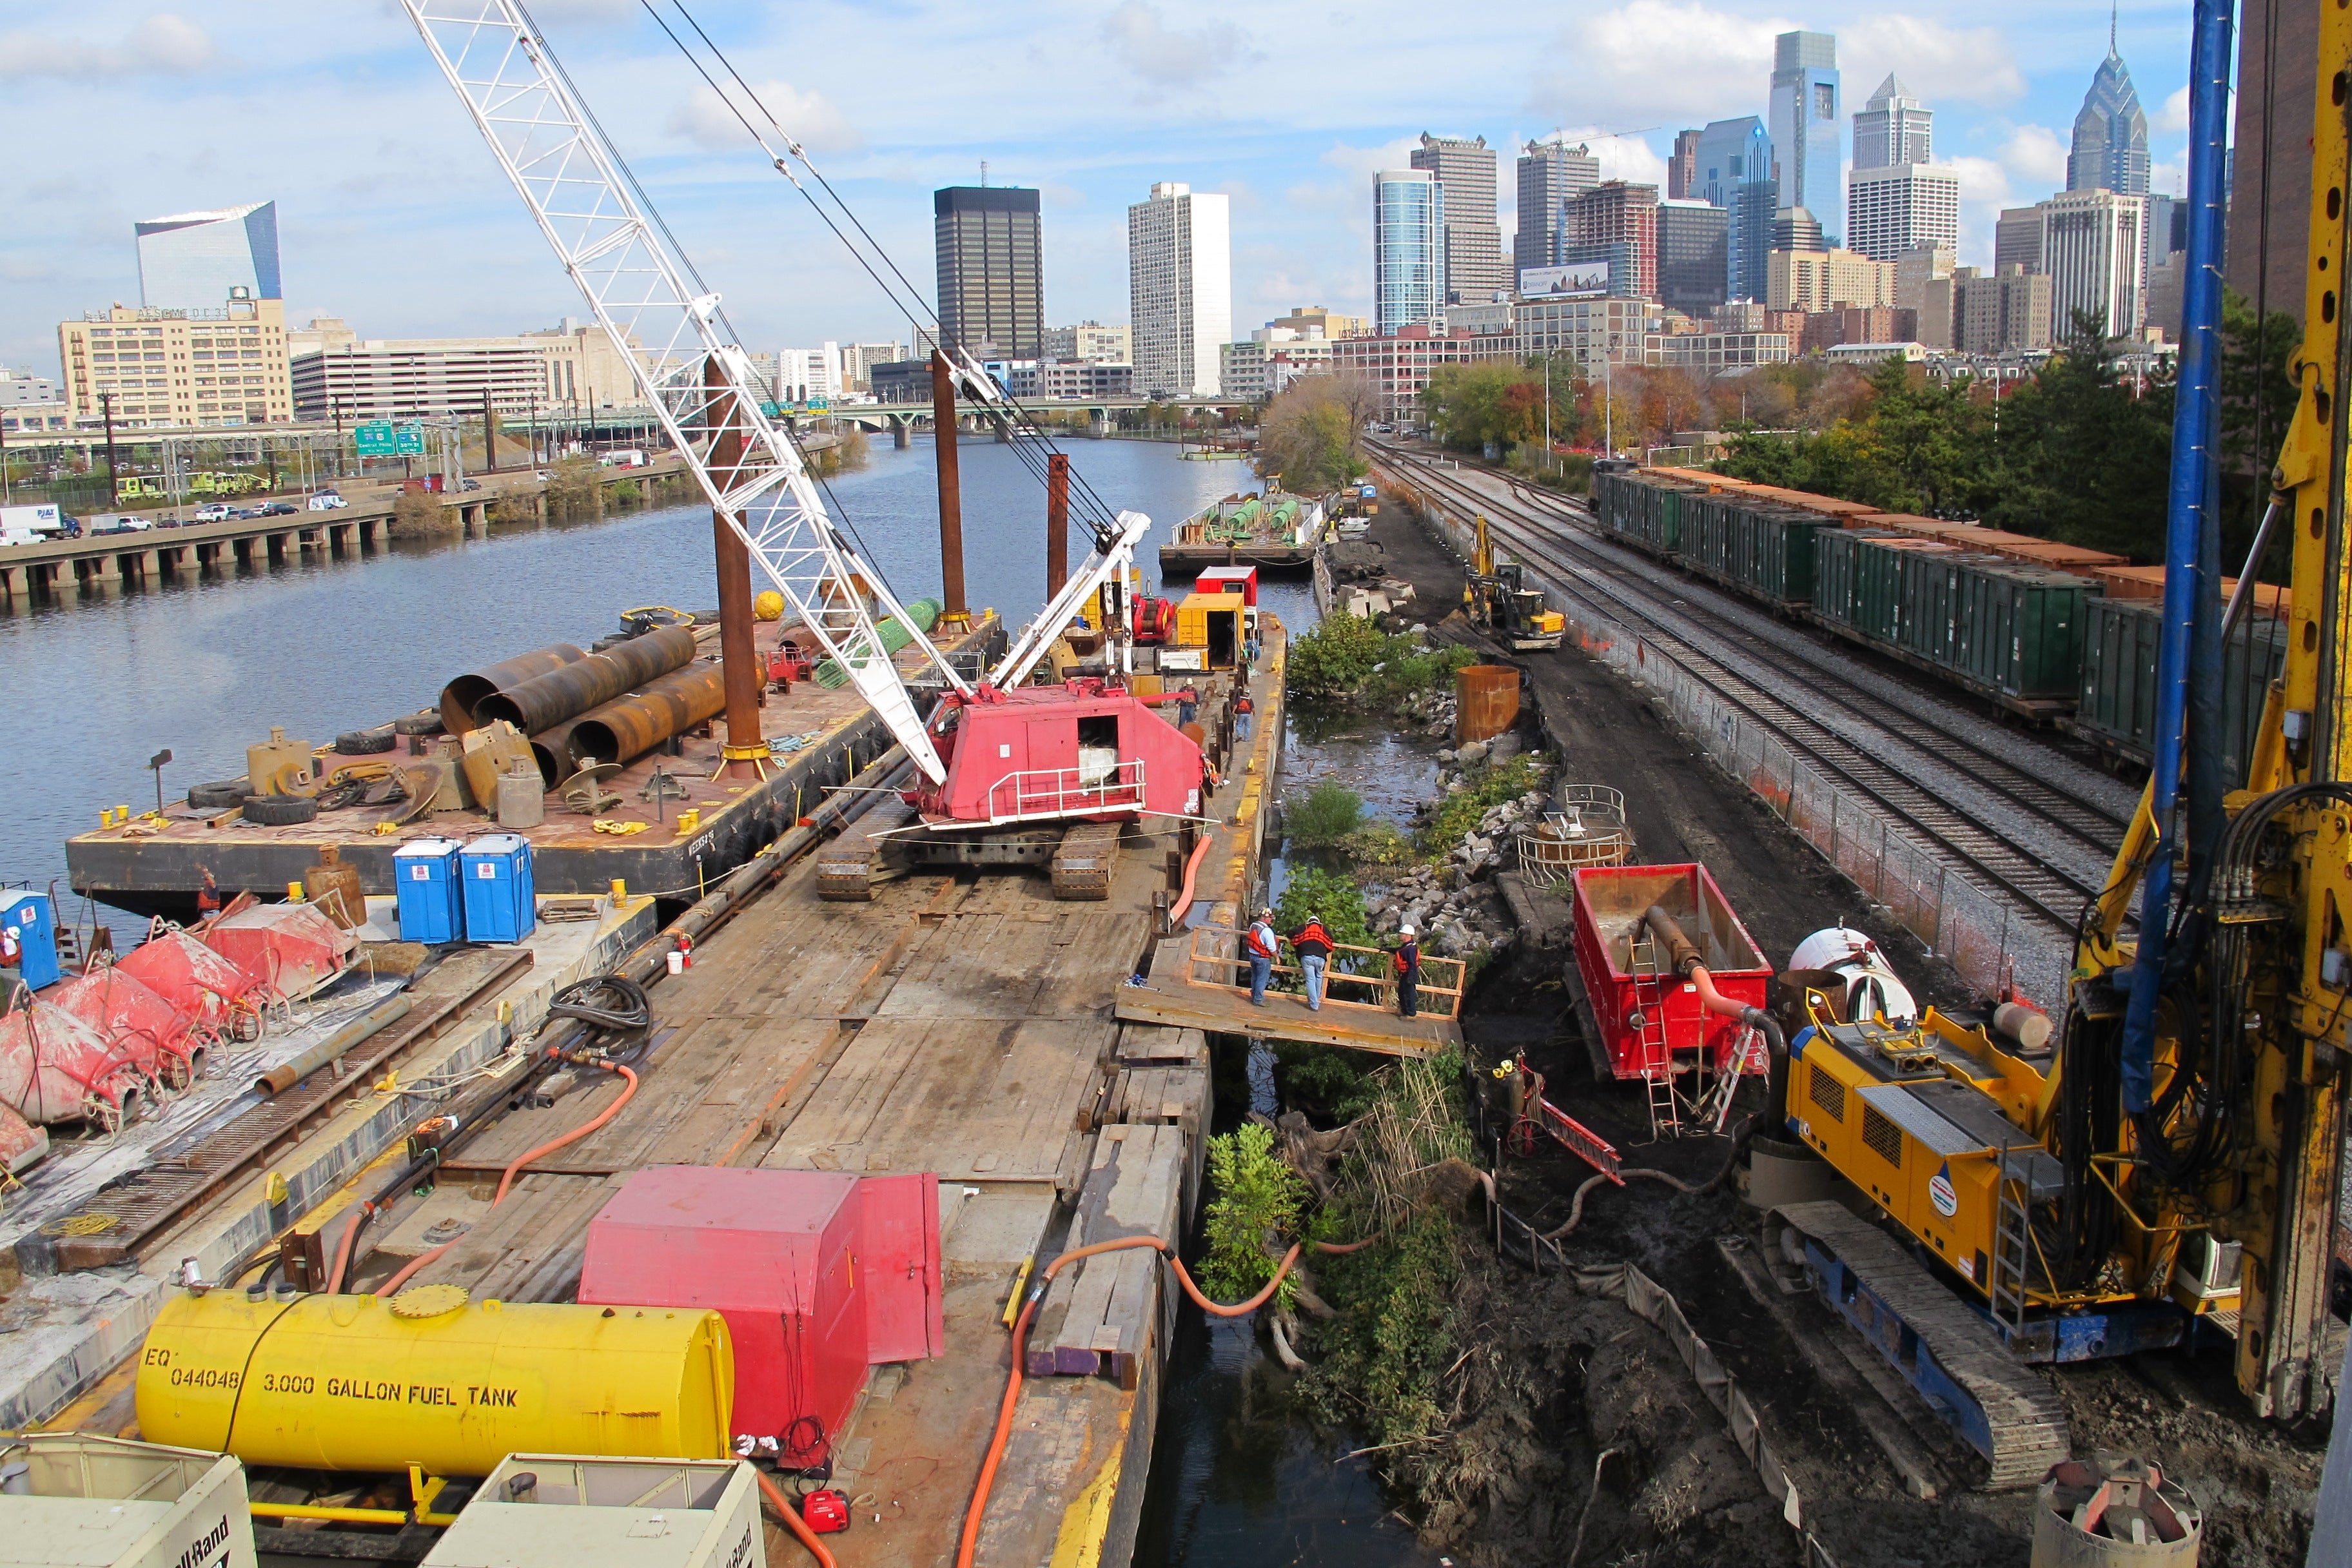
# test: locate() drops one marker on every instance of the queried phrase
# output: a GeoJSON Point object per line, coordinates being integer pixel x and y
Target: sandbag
{"type": "Point", "coordinates": [55, 1067]}
{"type": "Point", "coordinates": [292, 947]}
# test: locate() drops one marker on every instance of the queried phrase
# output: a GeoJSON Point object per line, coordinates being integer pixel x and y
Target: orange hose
{"type": "Point", "coordinates": [1184, 897]}
{"type": "Point", "coordinates": [344, 1252]}
{"type": "Point", "coordinates": [514, 1170]}
{"type": "Point", "coordinates": [794, 1521]}
{"type": "Point", "coordinates": [989, 1461]}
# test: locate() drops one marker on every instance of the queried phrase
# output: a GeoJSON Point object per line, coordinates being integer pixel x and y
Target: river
{"type": "Point", "coordinates": [205, 666]}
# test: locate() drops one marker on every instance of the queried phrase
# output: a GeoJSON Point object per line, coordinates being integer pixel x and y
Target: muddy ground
{"type": "Point", "coordinates": [1560, 1376]}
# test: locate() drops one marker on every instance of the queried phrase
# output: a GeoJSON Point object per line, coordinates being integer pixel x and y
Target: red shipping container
{"type": "Point", "coordinates": [1610, 901]}
{"type": "Point", "coordinates": [818, 1274]}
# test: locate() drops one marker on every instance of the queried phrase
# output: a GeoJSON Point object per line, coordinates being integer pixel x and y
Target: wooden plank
{"type": "Point", "coordinates": [1284, 1018]}
{"type": "Point", "coordinates": [1145, 1045]}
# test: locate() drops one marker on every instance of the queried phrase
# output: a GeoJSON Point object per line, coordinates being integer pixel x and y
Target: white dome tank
{"type": "Point", "coordinates": [1872, 988]}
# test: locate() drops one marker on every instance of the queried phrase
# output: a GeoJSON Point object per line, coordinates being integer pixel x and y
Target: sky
{"type": "Point", "coordinates": [393, 215]}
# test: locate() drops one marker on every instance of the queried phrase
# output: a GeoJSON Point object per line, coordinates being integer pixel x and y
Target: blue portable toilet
{"type": "Point", "coordinates": [497, 874]}
{"type": "Point", "coordinates": [32, 929]}
{"type": "Point", "coordinates": [425, 877]}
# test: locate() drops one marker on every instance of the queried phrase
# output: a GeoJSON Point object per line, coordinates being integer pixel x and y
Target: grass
{"type": "Point", "coordinates": [1325, 818]}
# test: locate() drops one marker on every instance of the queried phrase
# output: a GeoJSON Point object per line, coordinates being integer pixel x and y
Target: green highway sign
{"type": "Point", "coordinates": [408, 441]}
{"type": "Point", "coordinates": [375, 439]}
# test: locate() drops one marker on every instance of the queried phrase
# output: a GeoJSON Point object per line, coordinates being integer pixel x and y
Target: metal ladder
{"type": "Point", "coordinates": [1655, 1054]}
{"type": "Point", "coordinates": [2012, 1247]}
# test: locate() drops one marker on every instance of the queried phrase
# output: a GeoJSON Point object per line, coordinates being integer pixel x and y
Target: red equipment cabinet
{"type": "Point", "coordinates": [1242, 580]}
{"type": "Point", "coordinates": [1082, 749]}
{"type": "Point", "coordinates": [1610, 901]}
{"type": "Point", "coordinates": [819, 1275]}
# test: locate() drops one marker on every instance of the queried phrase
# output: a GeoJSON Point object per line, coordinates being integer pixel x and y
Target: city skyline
{"type": "Point", "coordinates": [387, 209]}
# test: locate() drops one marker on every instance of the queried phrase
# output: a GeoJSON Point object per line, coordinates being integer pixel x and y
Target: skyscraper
{"type": "Point", "coordinates": [2091, 248]}
{"type": "Point", "coordinates": [195, 259]}
{"type": "Point", "coordinates": [1474, 271]}
{"type": "Point", "coordinates": [992, 270]}
{"type": "Point", "coordinates": [1804, 124]}
{"type": "Point", "coordinates": [1691, 240]}
{"type": "Point", "coordinates": [1180, 289]}
{"type": "Point", "coordinates": [1615, 214]}
{"type": "Point", "coordinates": [1892, 128]}
{"type": "Point", "coordinates": [1408, 249]}
{"type": "Point", "coordinates": [2278, 66]}
{"type": "Point", "coordinates": [1735, 171]}
{"type": "Point", "coordinates": [1900, 206]}
{"type": "Point", "coordinates": [1550, 172]}
{"type": "Point", "coordinates": [2110, 151]}
{"type": "Point", "coordinates": [1681, 169]}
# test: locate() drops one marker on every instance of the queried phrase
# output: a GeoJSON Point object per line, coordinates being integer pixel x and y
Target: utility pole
{"type": "Point", "coordinates": [489, 432]}
{"type": "Point", "coordinates": [944, 431]}
{"type": "Point", "coordinates": [745, 751]}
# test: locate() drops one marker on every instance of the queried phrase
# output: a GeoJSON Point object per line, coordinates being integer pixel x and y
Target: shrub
{"type": "Point", "coordinates": [1347, 657]}
{"type": "Point", "coordinates": [1488, 786]}
{"type": "Point", "coordinates": [1325, 818]}
{"type": "Point", "coordinates": [1258, 1198]}
{"type": "Point", "coordinates": [576, 488]}
{"type": "Point", "coordinates": [417, 515]}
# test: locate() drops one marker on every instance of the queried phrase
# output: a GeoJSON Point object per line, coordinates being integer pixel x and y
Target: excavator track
{"type": "Point", "coordinates": [1083, 862]}
{"type": "Point", "coordinates": [1948, 1355]}
{"type": "Point", "coordinates": [850, 867]}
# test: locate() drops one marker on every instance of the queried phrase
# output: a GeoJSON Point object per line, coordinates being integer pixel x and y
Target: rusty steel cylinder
{"type": "Point", "coordinates": [566, 693]}
{"type": "Point", "coordinates": [633, 725]}
{"type": "Point", "coordinates": [552, 750]}
{"type": "Point", "coordinates": [457, 698]}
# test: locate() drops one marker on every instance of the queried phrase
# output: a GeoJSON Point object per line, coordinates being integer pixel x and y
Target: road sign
{"type": "Point", "coordinates": [375, 439]}
{"type": "Point", "coordinates": [408, 441]}
{"type": "Point", "coordinates": [818, 405]}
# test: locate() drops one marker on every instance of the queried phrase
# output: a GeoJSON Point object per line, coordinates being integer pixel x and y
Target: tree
{"type": "Point", "coordinates": [1469, 407]}
{"type": "Point", "coordinates": [2258, 399]}
{"type": "Point", "coordinates": [1310, 436]}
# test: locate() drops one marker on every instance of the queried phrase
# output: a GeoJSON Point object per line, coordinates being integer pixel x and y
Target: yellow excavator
{"type": "Point", "coordinates": [2163, 1167]}
{"type": "Point", "coordinates": [1496, 597]}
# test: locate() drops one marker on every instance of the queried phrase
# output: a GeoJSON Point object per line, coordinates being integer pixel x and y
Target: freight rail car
{"type": "Point", "coordinates": [2053, 632]}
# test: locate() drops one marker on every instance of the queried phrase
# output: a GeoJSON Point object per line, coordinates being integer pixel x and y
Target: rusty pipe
{"type": "Point", "coordinates": [629, 727]}
{"type": "Point", "coordinates": [552, 750]}
{"type": "Point", "coordinates": [1688, 962]}
{"type": "Point", "coordinates": [285, 1074]}
{"type": "Point", "coordinates": [566, 693]}
{"type": "Point", "coordinates": [457, 698]}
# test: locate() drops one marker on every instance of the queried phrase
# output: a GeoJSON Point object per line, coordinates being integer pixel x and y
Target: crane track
{"type": "Point", "coordinates": [2047, 893]}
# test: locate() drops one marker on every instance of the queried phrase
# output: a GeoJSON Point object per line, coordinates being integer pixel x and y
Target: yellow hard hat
{"type": "Point", "coordinates": [768, 606]}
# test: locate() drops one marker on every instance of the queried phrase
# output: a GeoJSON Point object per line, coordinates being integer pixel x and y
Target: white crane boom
{"type": "Point", "coordinates": [670, 333]}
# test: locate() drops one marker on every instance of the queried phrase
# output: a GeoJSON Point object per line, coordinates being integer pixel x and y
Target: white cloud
{"type": "Point", "coordinates": [1654, 58]}
{"type": "Point", "coordinates": [810, 117]}
{"type": "Point", "coordinates": [2174, 115]}
{"type": "Point", "coordinates": [1147, 45]}
{"type": "Point", "coordinates": [1937, 63]}
{"type": "Point", "coordinates": [2036, 155]}
{"type": "Point", "coordinates": [160, 45]}
{"type": "Point", "coordinates": [1629, 158]}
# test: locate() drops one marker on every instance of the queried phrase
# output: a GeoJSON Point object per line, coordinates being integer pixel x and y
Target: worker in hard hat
{"type": "Point", "coordinates": [1313, 944]}
{"type": "Point", "coordinates": [1259, 946]}
{"type": "Point", "coordinates": [1404, 959]}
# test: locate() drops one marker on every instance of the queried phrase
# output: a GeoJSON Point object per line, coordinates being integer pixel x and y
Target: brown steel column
{"type": "Point", "coordinates": [1058, 524]}
{"type": "Point", "coordinates": [944, 429]}
{"type": "Point", "coordinates": [745, 749]}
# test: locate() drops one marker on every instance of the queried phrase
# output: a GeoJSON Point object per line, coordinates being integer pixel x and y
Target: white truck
{"type": "Point", "coordinates": [36, 524]}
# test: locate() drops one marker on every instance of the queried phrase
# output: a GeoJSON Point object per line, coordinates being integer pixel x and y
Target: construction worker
{"type": "Point", "coordinates": [1258, 945]}
{"type": "Point", "coordinates": [1313, 944]}
{"type": "Point", "coordinates": [1242, 708]}
{"type": "Point", "coordinates": [1405, 958]}
{"type": "Point", "coordinates": [1188, 704]}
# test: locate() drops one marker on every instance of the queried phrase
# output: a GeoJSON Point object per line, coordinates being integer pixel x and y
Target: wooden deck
{"type": "Point", "coordinates": [1170, 998]}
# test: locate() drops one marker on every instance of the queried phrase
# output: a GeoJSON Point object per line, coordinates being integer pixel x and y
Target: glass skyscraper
{"type": "Point", "coordinates": [2110, 146]}
{"type": "Point", "coordinates": [1408, 249]}
{"type": "Point", "coordinates": [1804, 124]}
{"type": "Point", "coordinates": [1735, 172]}
{"type": "Point", "coordinates": [193, 260]}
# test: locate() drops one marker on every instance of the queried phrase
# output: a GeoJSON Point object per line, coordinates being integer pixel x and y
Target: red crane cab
{"type": "Point", "coordinates": [1084, 749]}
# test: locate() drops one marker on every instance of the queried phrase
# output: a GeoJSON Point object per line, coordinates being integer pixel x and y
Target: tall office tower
{"type": "Point", "coordinates": [1734, 170]}
{"type": "Point", "coordinates": [2110, 151]}
{"type": "Point", "coordinates": [1692, 236]}
{"type": "Point", "coordinates": [2091, 248]}
{"type": "Point", "coordinates": [992, 270]}
{"type": "Point", "coordinates": [1616, 214]}
{"type": "Point", "coordinates": [1681, 169]}
{"type": "Point", "coordinates": [2278, 64]}
{"type": "Point", "coordinates": [1475, 269]}
{"type": "Point", "coordinates": [1794, 228]}
{"type": "Point", "coordinates": [195, 259]}
{"type": "Point", "coordinates": [2010, 309]}
{"type": "Point", "coordinates": [1408, 249]}
{"type": "Point", "coordinates": [1550, 172]}
{"type": "Point", "coordinates": [2017, 240]}
{"type": "Point", "coordinates": [1899, 206]}
{"type": "Point", "coordinates": [1892, 128]}
{"type": "Point", "coordinates": [1926, 284]}
{"type": "Point", "coordinates": [1804, 125]}
{"type": "Point", "coordinates": [1180, 289]}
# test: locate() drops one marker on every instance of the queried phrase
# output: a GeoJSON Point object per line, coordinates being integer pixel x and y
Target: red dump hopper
{"type": "Point", "coordinates": [292, 947]}
{"type": "Point", "coordinates": [818, 1274]}
{"type": "Point", "coordinates": [1649, 1017]}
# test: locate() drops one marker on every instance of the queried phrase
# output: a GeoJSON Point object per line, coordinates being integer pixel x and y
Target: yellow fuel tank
{"type": "Point", "coordinates": [352, 1383]}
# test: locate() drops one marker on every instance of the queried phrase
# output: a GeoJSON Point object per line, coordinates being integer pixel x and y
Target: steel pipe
{"type": "Point", "coordinates": [552, 750]}
{"type": "Point", "coordinates": [549, 700]}
{"type": "Point", "coordinates": [285, 1074]}
{"type": "Point", "coordinates": [629, 727]}
{"type": "Point", "coordinates": [457, 698]}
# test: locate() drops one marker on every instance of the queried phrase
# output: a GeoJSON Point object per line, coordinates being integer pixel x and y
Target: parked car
{"type": "Point", "coordinates": [218, 511]}
{"type": "Point", "coordinates": [327, 500]}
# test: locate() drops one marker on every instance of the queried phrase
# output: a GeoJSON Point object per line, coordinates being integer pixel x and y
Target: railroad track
{"type": "Point", "coordinates": [2047, 893]}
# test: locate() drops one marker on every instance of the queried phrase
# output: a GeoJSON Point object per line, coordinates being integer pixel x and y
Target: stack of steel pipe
{"type": "Point", "coordinates": [629, 727]}
{"type": "Point", "coordinates": [569, 690]}
{"type": "Point", "coordinates": [459, 698]}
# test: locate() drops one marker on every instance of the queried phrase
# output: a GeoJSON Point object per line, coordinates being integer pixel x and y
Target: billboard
{"type": "Point", "coordinates": [1578, 277]}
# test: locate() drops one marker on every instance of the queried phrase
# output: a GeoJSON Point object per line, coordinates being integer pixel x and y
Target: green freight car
{"type": "Point", "coordinates": [2115, 706]}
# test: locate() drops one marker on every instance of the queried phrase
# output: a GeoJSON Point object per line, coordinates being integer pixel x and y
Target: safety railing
{"type": "Point", "coordinates": [1037, 793]}
{"type": "Point", "coordinates": [1217, 950]}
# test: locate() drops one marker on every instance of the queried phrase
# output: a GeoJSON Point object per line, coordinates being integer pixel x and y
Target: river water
{"type": "Point", "coordinates": [205, 666]}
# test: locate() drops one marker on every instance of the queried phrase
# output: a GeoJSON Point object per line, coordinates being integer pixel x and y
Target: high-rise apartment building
{"type": "Point", "coordinates": [1179, 288]}
{"type": "Point", "coordinates": [1925, 284]}
{"type": "Point", "coordinates": [2005, 312]}
{"type": "Point", "coordinates": [1615, 213]}
{"type": "Point", "coordinates": [1090, 343]}
{"type": "Point", "coordinates": [1681, 168]}
{"type": "Point", "coordinates": [2017, 240]}
{"type": "Point", "coordinates": [1692, 236]}
{"type": "Point", "coordinates": [1408, 249]}
{"type": "Point", "coordinates": [1896, 208]}
{"type": "Point", "coordinates": [195, 260]}
{"type": "Point", "coordinates": [1804, 125]}
{"type": "Point", "coordinates": [1475, 269]}
{"type": "Point", "coordinates": [1893, 127]}
{"type": "Point", "coordinates": [222, 365]}
{"type": "Point", "coordinates": [1734, 170]}
{"type": "Point", "coordinates": [858, 360]}
{"type": "Point", "coordinates": [1795, 228]}
{"type": "Point", "coordinates": [990, 270]}
{"type": "Point", "coordinates": [2110, 150]}
{"type": "Point", "coordinates": [2092, 250]}
{"type": "Point", "coordinates": [1818, 280]}
{"type": "Point", "coordinates": [1550, 173]}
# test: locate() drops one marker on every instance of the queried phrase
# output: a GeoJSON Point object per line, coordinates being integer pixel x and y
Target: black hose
{"type": "Point", "coordinates": [611, 1005]}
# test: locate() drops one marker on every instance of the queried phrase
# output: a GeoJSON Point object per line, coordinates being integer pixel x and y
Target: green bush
{"type": "Point", "coordinates": [1324, 817]}
{"type": "Point", "coordinates": [1257, 1197]}
{"type": "Point", "coordinates": [1347, 657]}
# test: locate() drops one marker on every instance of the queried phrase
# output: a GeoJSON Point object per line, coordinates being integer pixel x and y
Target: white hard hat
{"type": "Point", "coordinates": [1405, 930]}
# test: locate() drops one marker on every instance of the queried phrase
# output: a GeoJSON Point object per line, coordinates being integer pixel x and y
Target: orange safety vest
{"type": "Point", "coordinates": [1258, 944]}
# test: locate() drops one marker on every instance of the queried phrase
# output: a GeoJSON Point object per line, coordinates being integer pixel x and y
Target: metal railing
{"type": "Point", "coordinates": [1432, 999]}
{"type": "Point", "coordinates": [1035, 793]}
{"type": "Point", "coordinates": [1587, 830]}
